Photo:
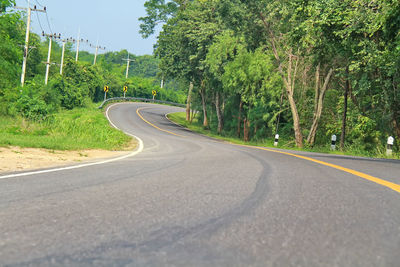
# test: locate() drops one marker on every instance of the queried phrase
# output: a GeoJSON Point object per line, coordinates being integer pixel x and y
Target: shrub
{"type": "Point", "coordinates": [32, 107]}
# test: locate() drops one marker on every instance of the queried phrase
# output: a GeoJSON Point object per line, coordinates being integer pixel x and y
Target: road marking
{"type": "Point", "coordinates": [393, 186]}
{"type": "Point", "coordinates": [158, 128]}
{"type": "Point", "coordinates": [137, 151]}
{"type": "Point", "coordinates": [166, 116]}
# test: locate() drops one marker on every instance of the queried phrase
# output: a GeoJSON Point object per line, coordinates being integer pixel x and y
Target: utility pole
{"type": "Point", "coordinates": [65, 41]}
{"type": "Point", "coordinates": [26, 48]}
{"type": "Point", "coordinates": [162, 82]}
{"type": "Point", "coordinates": [128, 61]}
{"type": "Point", "coordinates": [62, 56]}
{"type": "Point", "coordinates": [97, 51]}
{"type": "Point", "coordinates": [77, 45]}
{"type": "Point", "coordinates": [50, 36]}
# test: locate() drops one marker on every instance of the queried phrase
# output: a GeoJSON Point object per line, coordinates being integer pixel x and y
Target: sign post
{"type": "Point", "coordinates": [125, 90]}
{"type": "Point", "coordinates": [154, 92]}
{"type": "Point", "coordinates": [105, 92]}
{"type": "Point", "coordinates": [389, 148]}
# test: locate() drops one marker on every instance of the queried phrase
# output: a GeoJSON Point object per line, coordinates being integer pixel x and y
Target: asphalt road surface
{"type": "Point", "coordinates": [188, 200]}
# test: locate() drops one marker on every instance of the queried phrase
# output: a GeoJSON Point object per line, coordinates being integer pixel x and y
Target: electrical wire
{"type": "Point", "coordinates": [37, 2]}
{"type": "Point", "coordinates": [47, 17]}
{"type": "Point", "coordinates": [48, 23]}
{"type": "Point", "coordinates": [40, 24]}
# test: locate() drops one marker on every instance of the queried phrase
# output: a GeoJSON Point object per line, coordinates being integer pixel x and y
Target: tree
{"type": "Point", "coordinates": [11, 35]}
{"type": "Point", "coordinates": [183, 45]}
{"type": "Point", "coordinates": [158, 11]}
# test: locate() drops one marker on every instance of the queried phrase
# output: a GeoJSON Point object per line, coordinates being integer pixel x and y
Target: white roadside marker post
{"type": "Point", "coordinates": [389, 149]}
{"type": "Point", "coordinates": [333, 144]}
{"type": "Point", "coordinates": [276, 140]}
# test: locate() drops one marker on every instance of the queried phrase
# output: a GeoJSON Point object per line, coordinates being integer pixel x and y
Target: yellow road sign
{"type": "Point", "coordinates": [154, 92]}
{"type": "Point", "coordinates": [106, 89]}
{"type": "Point", "coordinates": [125, 89]}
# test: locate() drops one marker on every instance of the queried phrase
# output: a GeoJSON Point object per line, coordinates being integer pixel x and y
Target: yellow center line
{"type": "Point", "coordinates": [158, 128]}
{"type": "Point", "coordinates": [393, 186]}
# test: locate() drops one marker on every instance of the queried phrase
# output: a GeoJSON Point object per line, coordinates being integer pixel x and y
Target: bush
{"type": "Point", "coordinates": [32, 107]}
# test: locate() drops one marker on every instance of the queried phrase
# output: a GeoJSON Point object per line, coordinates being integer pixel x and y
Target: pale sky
{"type": "Point", "coordinates": [115, 23]}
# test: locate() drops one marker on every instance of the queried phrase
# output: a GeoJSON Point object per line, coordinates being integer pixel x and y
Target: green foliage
{"type": "Point", "coordinates": [32, 107]}
{"type": "Point", "coordinates": [80, 83]}
{"type": "Point", "coordinates": [248, 58]}
{"type": "Point", "coordinates": [11, 35]}
{"type": "Point", "coordinates": [81, 128]}
{"type": "Point", "coordinates": [158, 11]}
{"type": "Point", "coordinates": [4, 4]}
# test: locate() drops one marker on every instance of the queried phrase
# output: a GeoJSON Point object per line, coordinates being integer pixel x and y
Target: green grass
{"type": "Point", "coordinates": [195, 126]}
{"type": "Point", "coordinates": [77, 129]}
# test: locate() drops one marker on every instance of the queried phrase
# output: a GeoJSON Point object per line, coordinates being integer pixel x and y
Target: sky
{"type": "Point", "coordinates": [114, 23]}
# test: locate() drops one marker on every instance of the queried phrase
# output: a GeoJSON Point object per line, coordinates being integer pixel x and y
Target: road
{"type": "Point", "coordinates": [188, 200]}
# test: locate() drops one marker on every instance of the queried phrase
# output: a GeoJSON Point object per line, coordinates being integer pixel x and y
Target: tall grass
{"type": "Point", "coordinates": [77, 129]}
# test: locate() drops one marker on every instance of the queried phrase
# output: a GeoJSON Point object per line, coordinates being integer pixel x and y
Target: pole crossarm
{"type": "Point", "coordinates": [32, 9]}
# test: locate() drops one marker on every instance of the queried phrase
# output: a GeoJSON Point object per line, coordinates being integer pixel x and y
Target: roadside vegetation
{"type": "Point", "coordinates": [252, 69]}
{"type": "Point", "coordinates": [305, 70]}
{"type": "Point", "coordinates": [284, 143]}
{"type": "Point", "coordinates": [77, 129]}
{"type": "Point", "coordinates": [61, 114]}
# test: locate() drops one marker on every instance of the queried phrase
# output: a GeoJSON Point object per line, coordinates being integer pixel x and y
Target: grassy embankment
{"type": "Point", "coordinates": [77, 129]}
{"type": "Point", "coordinates": [195, 126]}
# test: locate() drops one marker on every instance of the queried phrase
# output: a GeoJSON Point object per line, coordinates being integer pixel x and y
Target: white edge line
{"type": "Point", "coordinates": [166, 116]}
{"type": "Point", "coordinates": [137, 151]}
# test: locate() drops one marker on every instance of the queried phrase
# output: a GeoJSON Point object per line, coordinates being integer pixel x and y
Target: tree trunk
{"type": "Point", "coordinates": [193, 115]}
{"type": "Point", "coordinates": [203, 102]}
{"type": "Point", "coordinates": [289, 84]}
{"type": "Point", "coordinates": [239, 118]}
{"type": "Point", "coordinates": [220, 115]}
{"type": "Point", "coordinates": [296, 122]}
{"type": "Point", "coordinates": [319, 106]}
{"type": "Point", "coordinates": [246, 126]}
{"type": "Point", "coordinates": [344, 119]}
{"type": "Point", "coordinates": [188, 101]}
{"type": "Point", "coordinates": [317, 90]}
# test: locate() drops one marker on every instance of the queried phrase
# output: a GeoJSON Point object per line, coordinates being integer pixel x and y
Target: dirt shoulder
{"type": "Point", "coordinates": [14, 159]}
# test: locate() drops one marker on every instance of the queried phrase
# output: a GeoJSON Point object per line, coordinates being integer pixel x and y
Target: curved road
{"type": "Point", "coordinates": [188, 200]}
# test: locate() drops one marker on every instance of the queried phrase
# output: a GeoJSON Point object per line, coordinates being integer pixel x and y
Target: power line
{"type": "Point", "coordinates": [37, 2]}
{"type": "Point", "coordinates": [40, 24]}
{"type": "Point", "coordinates": [48, 22]}
{"type": "Point", "coordinates": [37, 16]}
